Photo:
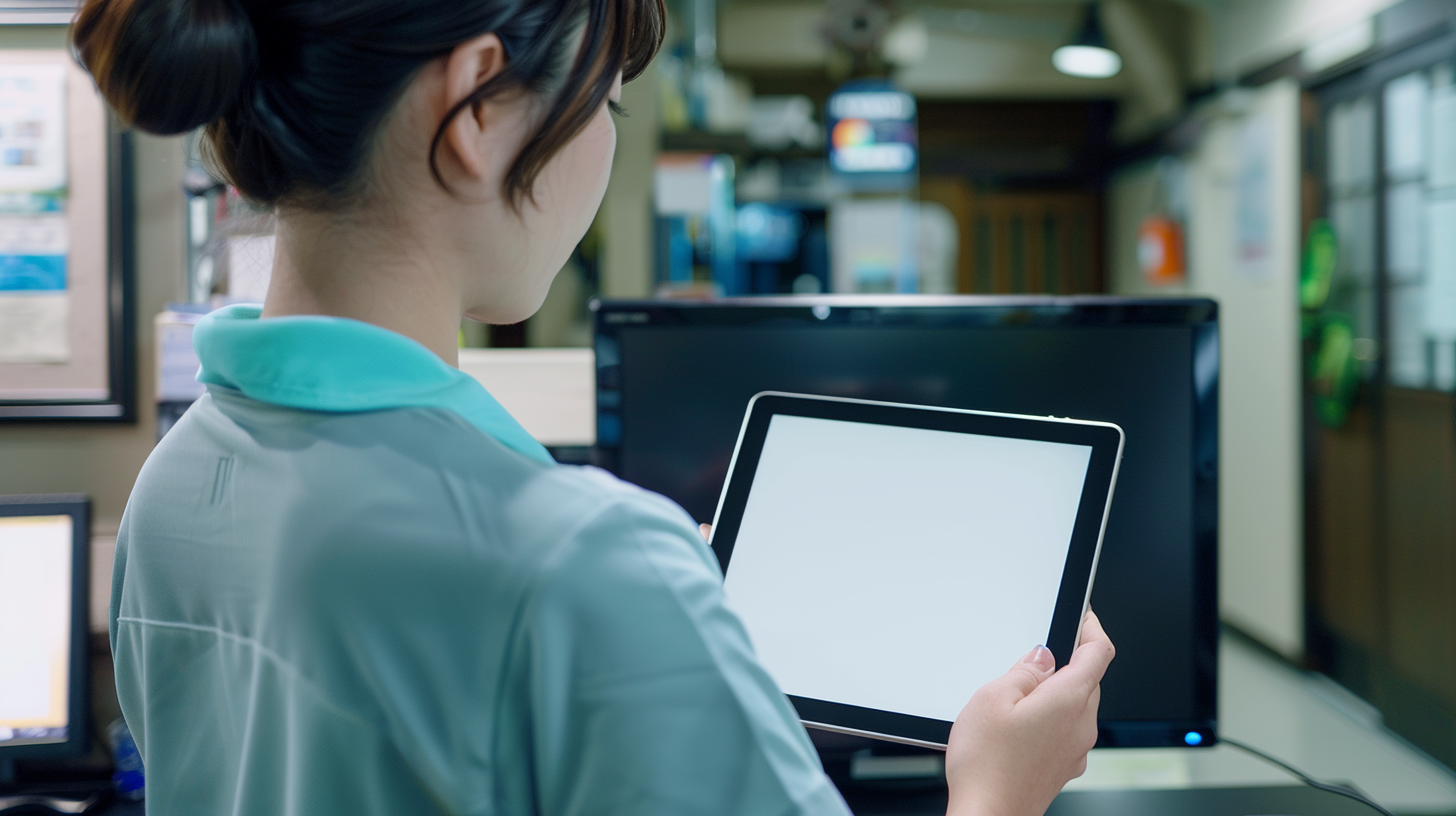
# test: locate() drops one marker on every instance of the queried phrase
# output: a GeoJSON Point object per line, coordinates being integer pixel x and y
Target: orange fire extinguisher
{"type": "Point", "coordinates": [1160, 250]}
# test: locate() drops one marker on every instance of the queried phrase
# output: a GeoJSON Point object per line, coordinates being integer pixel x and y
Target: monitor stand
{"type": "Point", "coordinates": [16, 796]}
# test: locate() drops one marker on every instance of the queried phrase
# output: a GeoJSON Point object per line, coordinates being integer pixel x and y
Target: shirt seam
{"type": "Point", "coordinates": [328, 396]}
{"type": "Point", "coordinates": [454, 413]}
{"type": "Point", "coordinates": [457, 416]}
{"type": "Point", "coordinates": [271, 655]}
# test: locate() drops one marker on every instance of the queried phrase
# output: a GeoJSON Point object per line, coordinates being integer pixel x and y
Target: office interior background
{"type": "Point", "coordinates": [1292, 160]}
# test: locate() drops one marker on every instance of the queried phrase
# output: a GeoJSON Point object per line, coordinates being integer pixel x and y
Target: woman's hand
{"type": "Point", "coordinates": [706, 530]}
{"type": "Point", "coordinates": [1026, 734]}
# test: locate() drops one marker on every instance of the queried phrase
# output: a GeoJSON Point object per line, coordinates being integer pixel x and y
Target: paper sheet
{"type": "Point", "coordinates": [177, 361]}
{"type": "Point", "coordinates": [1253, 193]}
{"type": "Point", "coordinates": [34, 328]}
{"type": "Point", "coordinates": [32, 127]}
{"type": "Point", "coordinates": [874, 245]}
{"type": "Point", "coordinates": [34, 302]}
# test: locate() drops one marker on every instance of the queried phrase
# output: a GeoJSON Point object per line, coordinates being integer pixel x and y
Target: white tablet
{"type": "Point", "coordinates": [888, 560]}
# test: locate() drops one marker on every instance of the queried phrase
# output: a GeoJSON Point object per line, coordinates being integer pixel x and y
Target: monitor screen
{"type": "Point", "coordinates": [35, 629]}
{"type": "Point", "coordinates": [978, 530]}
{"type": "Point", "coordinates": [674, 379]}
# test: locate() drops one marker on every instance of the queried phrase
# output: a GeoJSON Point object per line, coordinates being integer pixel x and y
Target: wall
{"type": "Point", "coordinates": [626, 214]}
{"type": "Point", "coordinates": [1131, 195]}
{"type": "Point", "coordinates": [1261, 499]}
{"type": "Point", "coordinates": [102, 460]}
{"type": "Point", "coordinates": [1249, 34]}
{"type": "Point", "coordinates": [1002, 51]}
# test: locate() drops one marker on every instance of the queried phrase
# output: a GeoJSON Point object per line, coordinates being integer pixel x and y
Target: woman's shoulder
{"type": "Point", "coordinates": [603, 510]}
{"type": "Point", "coordinates": [414, 484]}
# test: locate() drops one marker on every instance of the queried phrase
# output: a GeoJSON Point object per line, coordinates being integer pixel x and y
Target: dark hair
{"type": "Point", "coordinates": [292, 91]}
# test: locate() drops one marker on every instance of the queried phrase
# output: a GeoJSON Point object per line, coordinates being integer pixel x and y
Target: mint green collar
{"type": "Point", "coordinates": [337, 364]}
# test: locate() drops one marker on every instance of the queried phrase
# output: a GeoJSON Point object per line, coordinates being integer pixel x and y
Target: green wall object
{"type": "Point", "coordinates": [1334, 371]}
{"type": "Point", "coordinates": [1321, 255]}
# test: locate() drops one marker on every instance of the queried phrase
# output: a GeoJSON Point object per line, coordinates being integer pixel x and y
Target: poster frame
{"type": "Point", "coordinates": [120, 404]}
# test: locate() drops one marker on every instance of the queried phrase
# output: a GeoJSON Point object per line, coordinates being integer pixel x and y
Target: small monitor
{"type": "Point", "coordinates": [43, 627]}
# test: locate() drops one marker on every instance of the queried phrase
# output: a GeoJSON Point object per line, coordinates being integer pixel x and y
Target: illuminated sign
{"type": "Point", "coordinates": [872, 129]}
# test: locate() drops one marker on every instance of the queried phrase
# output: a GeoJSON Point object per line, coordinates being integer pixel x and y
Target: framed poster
{"type": "Point", "coordinates": [67, 341]}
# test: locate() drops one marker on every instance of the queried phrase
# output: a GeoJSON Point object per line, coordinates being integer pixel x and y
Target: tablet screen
{"type": "Point", "coordinates": [963, 534]}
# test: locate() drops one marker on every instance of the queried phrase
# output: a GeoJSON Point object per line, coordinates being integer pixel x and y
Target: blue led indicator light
{"type": "Point", "coordinates": [1193, 738]}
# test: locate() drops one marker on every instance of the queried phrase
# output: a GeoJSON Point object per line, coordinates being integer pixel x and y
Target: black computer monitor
{"type": "Point", "coordinates": [674, 378]}
{"type": "Point", "coordinates": [43, 623]}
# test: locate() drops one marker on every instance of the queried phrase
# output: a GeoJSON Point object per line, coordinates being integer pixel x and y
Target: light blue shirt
{"type": "Point", "coordinates": [348, 582]}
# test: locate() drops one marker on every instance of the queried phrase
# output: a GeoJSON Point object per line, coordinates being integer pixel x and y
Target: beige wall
{"type": "Point", "coordinates": [626, 213]}
{"type": "Point", "coordinates": [1131, 195]}
{"type": "Point", "coordinates": [96, 459]}
{"type": "Point", "coordinates": [1261, 551]}
{"type": "Point", "coordinates": [1249, 34]}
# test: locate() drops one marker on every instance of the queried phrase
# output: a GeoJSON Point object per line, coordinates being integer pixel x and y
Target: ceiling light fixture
{"type": "Point", "coordinates": [1088, 55]}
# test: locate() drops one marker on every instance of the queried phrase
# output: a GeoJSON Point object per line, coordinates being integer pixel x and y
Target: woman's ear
{"type": "Point", "coordinates": [472, 64]}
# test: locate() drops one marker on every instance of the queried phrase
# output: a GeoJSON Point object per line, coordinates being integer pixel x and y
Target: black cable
{"type": "Point", "coordinates": [1342, 790]}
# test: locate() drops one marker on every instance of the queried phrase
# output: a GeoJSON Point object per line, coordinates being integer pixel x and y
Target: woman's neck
{"type": "Point", "coordinates": [342, 267]}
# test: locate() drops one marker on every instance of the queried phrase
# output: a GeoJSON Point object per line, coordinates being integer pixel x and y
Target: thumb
{"type": "Point", "coordinates": [1030, 671]}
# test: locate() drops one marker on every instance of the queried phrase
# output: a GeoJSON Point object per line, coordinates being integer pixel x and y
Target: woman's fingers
{"type": "Point", "coordinates": [1090, 659]}
{"type": "Point", "coordinates": [1092, 628]}
{"type": "Point", "coordinates": [706, 530]}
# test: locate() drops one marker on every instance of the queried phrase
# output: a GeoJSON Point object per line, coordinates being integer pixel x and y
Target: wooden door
{"type": "Point", "coordinates": [1014, 243]}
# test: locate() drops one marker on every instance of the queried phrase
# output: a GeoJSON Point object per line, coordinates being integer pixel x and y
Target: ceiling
{"type": "Point", "coordinates": [960, 50]}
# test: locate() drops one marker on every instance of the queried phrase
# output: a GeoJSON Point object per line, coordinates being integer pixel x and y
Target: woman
{"type": "Point", "coordinates": [348, 582]}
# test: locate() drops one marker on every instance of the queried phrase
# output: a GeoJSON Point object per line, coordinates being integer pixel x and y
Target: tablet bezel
{"type": "Point", "coordinates": [1105, 439]}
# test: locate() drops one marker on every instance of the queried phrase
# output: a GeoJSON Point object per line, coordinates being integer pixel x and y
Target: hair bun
{"type": "Point", "coordinates": [167, 66]}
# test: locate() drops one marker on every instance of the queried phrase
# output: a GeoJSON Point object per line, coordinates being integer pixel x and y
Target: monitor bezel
{"type": "Point", "coordinates": [611, 317]}
{"type": "Point", "coordinates": [78, 703]}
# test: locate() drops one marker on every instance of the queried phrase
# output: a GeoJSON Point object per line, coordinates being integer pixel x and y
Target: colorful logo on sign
{"type": "Point", "coordinates": [872, 130]}
{"type": "Point", "coordinates": [852, 133]}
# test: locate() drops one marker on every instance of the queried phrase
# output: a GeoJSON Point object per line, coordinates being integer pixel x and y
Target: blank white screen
{"type": "Point", "coordinates": [901, 569]}
{"type": "Point", "coordinates": [35, 623]}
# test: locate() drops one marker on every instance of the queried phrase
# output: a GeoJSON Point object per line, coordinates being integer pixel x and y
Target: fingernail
{"type": "Point", "coordinates": [1041, 658]}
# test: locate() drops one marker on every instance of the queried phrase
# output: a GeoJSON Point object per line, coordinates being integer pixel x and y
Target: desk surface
{"type": "Point", "coordinates": [1294, 801]}
{"type": "Point", "coordinates": [1286, 801]}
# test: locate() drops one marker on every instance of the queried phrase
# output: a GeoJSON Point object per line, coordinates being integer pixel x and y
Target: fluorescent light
{"type": "Point", "coordinates": [1088, 61]}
